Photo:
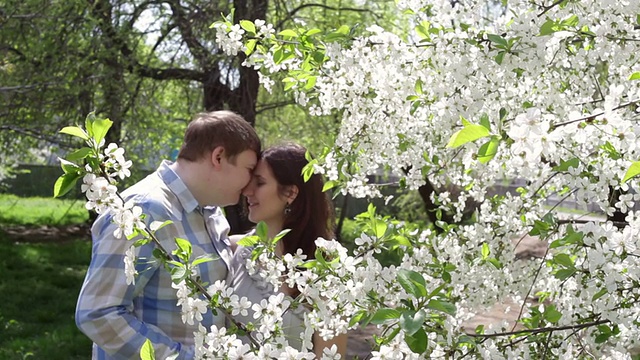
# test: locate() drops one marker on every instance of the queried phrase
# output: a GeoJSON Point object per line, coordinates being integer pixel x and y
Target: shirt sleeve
{"type": "Point", "coordinates": [105, 311]}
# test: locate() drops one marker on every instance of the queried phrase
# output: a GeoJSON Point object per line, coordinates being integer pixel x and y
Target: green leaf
{"type": "Point", "coordinates": [417, 342]}
{"type": "Point", "coordinates": [79, 154]}
{"type": "Point", "coordinates": [249, 26]}
{"type": "Point", "coordinates": [611, 151]}
{"type": "Point", "coordinates": [499, 57]}
{"type": "Point", "coordinates": [564, 260]}
{"type": "Point", "coordinates": [65, 183]}
{"type": "Point", "coordinates": [185, 248]}
{"type": "Point", "coordinates": [548, 28]}
{"type": "Point", "coordinates": [262, 231]}
{"type": "Point", "coordinates": [635, 76]}
{"type": "Point", "coordinates": [344, 29]}
{"type": "Point", "coordinates": [311, 82]}
{"type": "Point", "coordinates": [566, 164]}
{"type": "Point", "coordinates": [503, 113]}
{"type": "Point", "coordinates": [379, 228]}
{"type": "Point", "coordinates": [539, 228]}
{"type": "Point", "coordinates": [329, 185]}
{"type": "Point", "coordinates": [312, 32]}
{"type": "Point", "coordinates": [383, 315]}
{"type": "Point", "coordinates": [288, 32]}
{"type": "Point", "coordinates": [157, 225]}
{"type": "Point", "coordinates": [571, 238]}
{"type": "Point", "coordinates": [633, 171]}
{"type": "Point", "coordinates": [411, 321]}
{"type": "Point", "coordinates": [497, 264]}
{"type": "Point", "coordinates": [551, 314]}
{"type": "Point", "coordinates": [484, 121]}
{"type": "Point", "coordinates": [75, 131]}
{"type": "Point", "coordinates": [100, 129]}
{"type": "Point", "coordinates": [308, 170]}
{"type": "Point", "coordinates": [68, 167]}
{"type": "Point", "coordinates": [445, 307]}
{"type": "Point", "coordinates": [418, 87]}
{"type": "Point", "coordinates": [488, 150]}
{"type": "Point", "coordinates": [468, 134]}
{"type": "Point", "coordinates": [400, 240]}
{"type": "Point", "coordinates": [423, 30]}
{"type": "Point", "coordinates": [250, 46]}
{"type": "Point", "coordinates": [248, 241]}
{"type": "Point", "coordinates": [280, 235]}
{"type": "Point", "coordinates": [146, 351]}
{"type": "Point", "coordinates": [498, 40]}
{"type": "Point", "coordinates": [357, 317]}
{"type": "Point", "coordinates": [599, 294]}
{"type": "Point", "coordinates": [571, 21]}
{"type": "Point", "coordinates": [563, 274]}
{"type": "Point", "coordinates": [485, 250]}
{"type": "Point", "coordinates": [202, 259]}
{"type": "Point", "coordinates": [412, 282]}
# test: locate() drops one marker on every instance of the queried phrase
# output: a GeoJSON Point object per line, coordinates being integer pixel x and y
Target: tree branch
{"type": "Point", "coordinates": [272, 106]}
{"type": "Point", "coordinates": [541, 330]}
{"type": "Point", "coordinates": [545, 9]}
{"type": "Point", "coordinates": [133, 66]}
{"type": "Point", "coordinates": [593, 116]}
{"type": "Point", "coordinates": [36, 135]}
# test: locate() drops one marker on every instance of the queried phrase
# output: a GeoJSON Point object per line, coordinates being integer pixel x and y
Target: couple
{"type": "Point", "coordinates": [218, 161]}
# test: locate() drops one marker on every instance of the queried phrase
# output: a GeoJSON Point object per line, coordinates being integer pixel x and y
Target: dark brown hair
{"type": "Point", "coordinates": [218, 128]}
{"type": "Point", "coordinates": [311, 214]}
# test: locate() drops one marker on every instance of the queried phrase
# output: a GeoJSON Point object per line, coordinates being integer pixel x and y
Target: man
{"type": "Point", "coordinates": [214, 164]}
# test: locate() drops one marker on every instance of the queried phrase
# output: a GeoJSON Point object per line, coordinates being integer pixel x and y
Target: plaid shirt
{"type": "Point", "coordinates": [120, 317]}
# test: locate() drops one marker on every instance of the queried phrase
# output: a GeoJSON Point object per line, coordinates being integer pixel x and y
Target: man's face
{"type": "Point", "coordinates": [237, 175]}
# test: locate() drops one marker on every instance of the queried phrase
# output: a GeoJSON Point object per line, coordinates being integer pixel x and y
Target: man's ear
{"type": "Point", "coordinates": [216, 156]}
{"type": "Point", "coordinates": [292, 193]}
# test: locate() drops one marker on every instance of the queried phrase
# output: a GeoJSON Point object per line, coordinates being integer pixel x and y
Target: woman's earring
{"type": "Point", "coordinates": [287, 209]}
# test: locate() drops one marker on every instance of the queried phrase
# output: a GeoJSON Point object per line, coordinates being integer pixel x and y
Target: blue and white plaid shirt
{"type": "Point", "coordinates": [120, 317]}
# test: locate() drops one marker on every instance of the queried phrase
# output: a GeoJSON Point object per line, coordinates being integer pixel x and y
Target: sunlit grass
{"type": "Point", "coordinates": [41, 211]}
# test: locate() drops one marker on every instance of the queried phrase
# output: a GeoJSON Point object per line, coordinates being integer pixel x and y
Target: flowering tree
{"type": "Point", "coordinates": [546, 92]}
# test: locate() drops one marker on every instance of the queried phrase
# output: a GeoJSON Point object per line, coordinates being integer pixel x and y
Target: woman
{"type": "Point", "coordinates": [279, 196]}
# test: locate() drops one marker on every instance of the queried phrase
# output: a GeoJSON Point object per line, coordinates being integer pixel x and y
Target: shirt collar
{"type": "Point", "coordinates": [177, 186]}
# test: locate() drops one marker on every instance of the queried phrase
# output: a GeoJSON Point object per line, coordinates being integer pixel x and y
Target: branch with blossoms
{"type": "Point", "coordinates": [522, 87]}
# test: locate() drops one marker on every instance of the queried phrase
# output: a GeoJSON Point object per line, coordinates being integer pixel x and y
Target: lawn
{"type": "Point", "coordinates": [40, 282]}
{"type": "Point", "coordinates": [41, 211]}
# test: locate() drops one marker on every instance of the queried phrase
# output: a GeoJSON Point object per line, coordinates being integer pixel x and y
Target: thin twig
{"type": "Point", "coordinates": [541, 330]}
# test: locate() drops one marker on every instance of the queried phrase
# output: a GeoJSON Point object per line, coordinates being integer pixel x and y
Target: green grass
{"type": "Point", "coordinates": [41, 211]}
{"type": "Point", "coordinates": [40, 282]}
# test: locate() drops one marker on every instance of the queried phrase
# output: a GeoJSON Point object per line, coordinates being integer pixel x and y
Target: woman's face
{"type": "Point", "coordinates": [265, 201]}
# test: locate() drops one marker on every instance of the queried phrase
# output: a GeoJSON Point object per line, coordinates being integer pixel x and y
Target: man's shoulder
{"type": "Point", "coordinates": [152, 194]}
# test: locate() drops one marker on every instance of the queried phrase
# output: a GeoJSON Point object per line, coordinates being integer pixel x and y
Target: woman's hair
{"type": "Point", "coordinates": [311, 212]}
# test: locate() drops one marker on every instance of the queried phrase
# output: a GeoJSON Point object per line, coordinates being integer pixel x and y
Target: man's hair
{"type": "Point", "coordinates": [218, 128]}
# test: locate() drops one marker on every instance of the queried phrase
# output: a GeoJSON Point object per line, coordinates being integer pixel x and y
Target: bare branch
{"type": "Point", "coordinates": [272, 106]}
{"type": "Point", "coordinates": [36, 135]}
{"type": "Point", "coordinates": [593, 116]}
{"type": "Point", "coordinates": [541, 330]}
{"type": "Point", "coordinates": [545, 9]}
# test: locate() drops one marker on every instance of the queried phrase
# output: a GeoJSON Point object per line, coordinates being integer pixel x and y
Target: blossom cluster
{"type": "Point", "coordinates": [556, 87]}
